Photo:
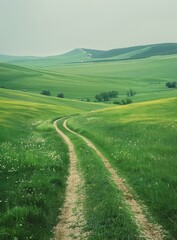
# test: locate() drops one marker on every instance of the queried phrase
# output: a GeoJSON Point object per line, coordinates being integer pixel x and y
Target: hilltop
{"type": "Point", "coordinates": [84, 55]}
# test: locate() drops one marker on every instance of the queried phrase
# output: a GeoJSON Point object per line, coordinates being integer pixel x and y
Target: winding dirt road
{"type": "Point", "coordinates": [72, 219]}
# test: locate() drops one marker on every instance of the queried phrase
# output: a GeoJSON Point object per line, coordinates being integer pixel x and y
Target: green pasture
{"type": "Point", "coordinates": [147, 77]}
{"type": "Point", "coordinates": [140, 143]}
{"type": "Point", "coordinates": [33, 163]}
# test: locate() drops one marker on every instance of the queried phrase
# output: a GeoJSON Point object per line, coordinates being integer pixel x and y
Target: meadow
{"type": "Point", "coordinates": [33, 163]}
{"type": "Point", "coordinates": [140, 142]}
{"type": "Point", "coordinates": [147, 77]}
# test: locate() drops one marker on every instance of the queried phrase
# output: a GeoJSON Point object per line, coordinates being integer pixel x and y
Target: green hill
{"type": "Point", "coordinates": [136, 52]}
{"type": "Point", "coordinates": [147, 77]}
{"type": "Point", "coordinates": [74, 56]}
{"type": "Point", "coordinates": [83, 55]}
{"type": "Point", "coordinates": [140, 142]}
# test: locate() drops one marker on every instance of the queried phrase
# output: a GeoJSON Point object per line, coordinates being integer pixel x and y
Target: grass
{"type": "Point", "coordinates": [147, 77]}
{"type": "Point", "coordinates": [140, 142]}
{"type": "Point", "coordinates": [33, 163]}
{"type": "Point", "coordinates": [107, 217]}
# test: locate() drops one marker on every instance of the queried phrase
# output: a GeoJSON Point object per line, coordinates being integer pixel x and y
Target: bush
{"type": "Point", "coordinates": [123, 101]}
{"type": "Point", "coordinates": [46, 92]}
{"type": "Point", "coordinates": [131, 93]}
{"type": "Point", "coordinates": [60, 95]}
{"type": "Point", "coordinates": [171, 84]}
{"type": "Point", "coordinates": [105, 96]}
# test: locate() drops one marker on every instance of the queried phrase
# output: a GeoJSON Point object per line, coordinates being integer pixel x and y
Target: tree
{"type": "Point", "coordinates": [128, 101]}
{"type": "Point", "coordinates": [130, 93]}
{"type": "Point", "coordinates": [123, 101]}
{"type": "Point", "coordinates": [46, 92]}
{"type": "Point", "coordinates": [60, 95]}
{"type": "Point", "coordinates": [98, 98]}
{"type": "Point", "coordinates": [171, 84]}
{"type": "Point", "coordinates": [105, 96]}
{"type": "Point", "coordinates": [113, 94]}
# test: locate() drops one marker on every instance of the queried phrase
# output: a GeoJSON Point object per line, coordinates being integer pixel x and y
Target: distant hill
{"type": "Point", "coordinates": [83, 55]}
{"type": "Point", "coordinates": [135, 52]}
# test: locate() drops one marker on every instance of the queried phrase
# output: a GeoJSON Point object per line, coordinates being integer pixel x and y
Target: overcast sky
{"type": "Point", "coordinates": [51, 27]}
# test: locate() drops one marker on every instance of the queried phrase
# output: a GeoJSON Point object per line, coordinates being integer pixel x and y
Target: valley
{"type": "Point", "coordinates": [135, 143]}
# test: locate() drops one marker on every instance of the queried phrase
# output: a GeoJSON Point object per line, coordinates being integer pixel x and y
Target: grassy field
{"type": "Point", "coordinates": [33, 163]}
{"type": "Point", "coordinates": [147, 77]}
{"type": "Point", "coordinates": [140, 142]}
{"type": "Point", "coordinates": [138, 139]}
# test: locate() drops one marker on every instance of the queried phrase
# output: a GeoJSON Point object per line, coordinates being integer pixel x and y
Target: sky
{"type": "Point", "coordinates": [52, 27]}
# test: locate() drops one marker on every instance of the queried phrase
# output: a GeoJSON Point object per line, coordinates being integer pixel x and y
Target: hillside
{"type": "Point", "coordinates": [136, 52]}
{"type": "Point", "coordinates": [147, 77]}
{"type": "Point", "coordinates": [140, 142]}
{"type": "Point", "coordinates": [83, 55]}
{"type": "Point", "coordinates": [128, 160]}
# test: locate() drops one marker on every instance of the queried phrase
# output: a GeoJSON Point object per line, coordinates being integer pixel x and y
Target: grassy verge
{"type": "Point", "coordinates": [140, 142]}
{"type": "Point", "coordinates": [106, 214]}
{"type": "Point", "coordinates": [33, 166]}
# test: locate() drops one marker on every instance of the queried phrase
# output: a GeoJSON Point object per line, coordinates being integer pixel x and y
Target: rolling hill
{"type": "Point", "coordinates": [83, 55]}
{"type": "Point", "coordinates": [139, 140]}
{"type": "Point", "coordinates": [147, 77]}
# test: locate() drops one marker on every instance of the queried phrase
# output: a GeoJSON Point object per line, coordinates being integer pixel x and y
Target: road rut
{"type": "Point", "coordinates": [72, 219]}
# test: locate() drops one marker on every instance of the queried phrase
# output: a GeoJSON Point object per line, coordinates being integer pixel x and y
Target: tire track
{"type": "Point", "coordinates": [147, 229]}
{"type": "Point", "coordinates": [72, 219]}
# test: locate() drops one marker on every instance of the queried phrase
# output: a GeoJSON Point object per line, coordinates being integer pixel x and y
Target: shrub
{"type": "Point", "coordinates": [46, 92]}
{"type": "Point", "coordinates": [171, 84]}
{"type": "Point", "coordinates": [105, 96]}
{"type": "Point", "coordinates": [60, 95]}
{"type": "Point", "coordinates": [123, 101]}
{"type": "Point", "coordinates": [130, 93]}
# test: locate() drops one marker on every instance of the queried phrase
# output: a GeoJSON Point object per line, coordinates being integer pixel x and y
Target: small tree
{"type": "Point", "coordinates": [171, 84]}
{"type": "Point", "coordinates": [128, 101]}
{"type": "Point", "coordinates": [113, 94]}
{"type": "Point", "coordinates": [46, 92]}
{"type": "Point", "coordinates": [99, 97]}
{"type": "Point", "coordinates": [130, 93]}
{"type": "Point", "coordinates": [60, 95]}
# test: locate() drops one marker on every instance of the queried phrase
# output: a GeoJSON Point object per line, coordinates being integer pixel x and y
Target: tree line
{"type": "Point", "coordinates": [107, 96]}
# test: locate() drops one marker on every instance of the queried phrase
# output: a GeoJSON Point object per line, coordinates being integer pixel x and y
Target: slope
{"type": "Point", "coordinates": [83, 55]}
{"type": "Point", "coordinates": [140, 143]}
{"type": "Point", "coordinates": [147, 77]}
{"type": "Point", "coordinates": [33, 163]}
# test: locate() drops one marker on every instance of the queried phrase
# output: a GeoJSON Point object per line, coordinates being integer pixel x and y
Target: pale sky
{"type": "Point", "coordinates": [51, 27]}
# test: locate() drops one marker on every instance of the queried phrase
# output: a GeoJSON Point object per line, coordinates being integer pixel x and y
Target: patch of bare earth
{"type": "Point", "coordinates": [71, 220]}
{"type": "Point", "coordinates": [147, 229]}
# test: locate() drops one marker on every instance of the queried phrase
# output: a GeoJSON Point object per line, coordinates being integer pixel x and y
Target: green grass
{"type": "Point", "coordinates": [140, 142]}
{"type": "Point", "coordinates": [106, 215]}
{"type": "Point", "coordinates": [147, 77]}
{"type": "Point", "coordinates": [33, 163]}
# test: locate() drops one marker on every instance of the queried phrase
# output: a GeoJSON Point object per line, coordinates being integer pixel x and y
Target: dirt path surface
{"type": "Point", "coordinates": [71, 220]}
{"type": "Point", "coordinates": [148, 230]}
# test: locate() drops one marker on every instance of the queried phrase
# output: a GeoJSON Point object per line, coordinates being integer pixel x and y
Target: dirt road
{"type": "Point", "coordinates": [72, 219]}
{"type": "Point", "coordinates": [147, 229]}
